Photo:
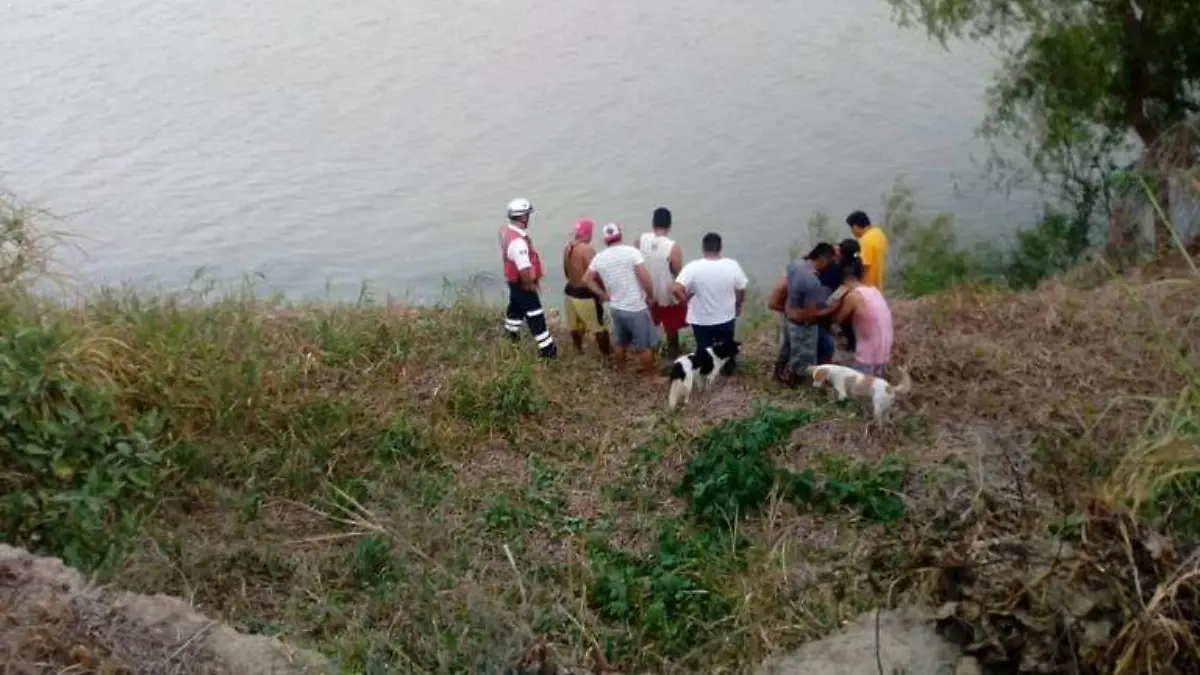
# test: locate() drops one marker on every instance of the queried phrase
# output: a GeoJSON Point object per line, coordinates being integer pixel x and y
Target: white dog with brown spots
{"type": "Point", "coordinates": [847, 381]}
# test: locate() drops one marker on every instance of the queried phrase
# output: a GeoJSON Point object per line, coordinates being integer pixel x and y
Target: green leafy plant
{"type": "Point", "coordinates": [670, 597]}
{"type": "Point", "coordinates": [74, 476]}
{"type": "Point", "coordinates": [1052, 246]}
{"type": "Point", "coordinates": [732, 474]}
{"type": "Point", "coordinates": [872, 491]}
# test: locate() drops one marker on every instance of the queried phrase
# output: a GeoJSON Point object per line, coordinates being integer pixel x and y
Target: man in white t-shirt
{"type": "Point", "coordinates": [715, 289]}
{"type": "Point", "coordinates": [626, 286]}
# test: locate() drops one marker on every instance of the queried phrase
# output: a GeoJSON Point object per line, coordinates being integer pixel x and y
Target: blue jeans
{"type": "Point", "coordinates": [707, 336]}
{"type": "Point", "coordinates": [825, 345]}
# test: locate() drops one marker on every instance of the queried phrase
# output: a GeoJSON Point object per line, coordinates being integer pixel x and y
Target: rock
{"type": "Point", "coordinates": [50, 615]}
{"type": "Point", "coordinates": [907, 643]}
{"type": "Point", "coordinates": [968, 665]}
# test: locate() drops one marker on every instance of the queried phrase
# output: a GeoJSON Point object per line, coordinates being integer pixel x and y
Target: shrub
{"type": "Point", "coordinates": [1049, 248]}
{"type": "Point", "coordinates": [72, 471]}
{"type": "Point", "coordinates": [669, 598]}
{"type": "Point", "coordinates": [732, 474]}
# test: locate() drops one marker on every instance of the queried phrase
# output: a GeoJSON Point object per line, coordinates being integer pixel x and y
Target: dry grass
{"type": "Point", "coordinates": [407, 492]}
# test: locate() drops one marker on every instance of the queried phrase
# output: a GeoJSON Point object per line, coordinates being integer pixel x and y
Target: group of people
{"type": "Point", "coordinates": [646, 286]}
{"type": "Point", "coordinates": [835, 288]}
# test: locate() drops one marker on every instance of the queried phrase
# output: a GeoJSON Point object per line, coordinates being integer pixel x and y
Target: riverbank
{"type": "Point", "coordinates": [404, 491]}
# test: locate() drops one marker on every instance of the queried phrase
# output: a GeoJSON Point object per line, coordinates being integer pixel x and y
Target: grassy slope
{"type": "Point", "coordinates": [406, 492]}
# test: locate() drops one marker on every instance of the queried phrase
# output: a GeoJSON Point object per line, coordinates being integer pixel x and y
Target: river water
{"type": "Point", "coordinates": [322, 144]}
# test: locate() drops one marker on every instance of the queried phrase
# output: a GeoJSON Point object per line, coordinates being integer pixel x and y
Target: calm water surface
{"type": "Point", "coordinates": [325, 144]}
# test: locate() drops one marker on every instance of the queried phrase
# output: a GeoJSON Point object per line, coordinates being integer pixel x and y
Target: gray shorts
{"type": "Point", "coordinates": [633, 330]}
{"type": "Point", "coordinates": [872, 369]}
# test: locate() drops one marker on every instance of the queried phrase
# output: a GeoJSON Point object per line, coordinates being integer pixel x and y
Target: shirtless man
{"type": "Point", "coordinates": [584, 312]}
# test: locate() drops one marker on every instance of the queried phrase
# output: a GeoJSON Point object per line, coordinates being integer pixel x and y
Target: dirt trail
{"type": "Point", "coordinates": [53, 621]}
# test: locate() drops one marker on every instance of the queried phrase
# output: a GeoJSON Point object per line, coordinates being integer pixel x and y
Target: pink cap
{"type": "Point", "coordinates": [584, 228]}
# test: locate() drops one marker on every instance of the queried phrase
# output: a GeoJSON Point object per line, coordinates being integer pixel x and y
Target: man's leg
{"type": "Point", "coordinates": [621, 336]}
{"type": "Point", "coordinates": [804, 349]}
{"type": "Point", "coordinates": [604, 342]}
{"type": "Point", "coordinates": [726, 334]}
{"type": "Point", "coordinates": [514, 315]}
{"type": "Point", "coordinates": [600, 330]}
{"type": "Point", "coordinates": [825, 345]}
{"type": "Point", "coordinates": [575, 323]}
{"type": "Point", "coordinates": [781, 359]}
{"type": "Point", "coordinates": [645, 338]}
{"type": "Point", "coordinates": [672, 344]}
{"type": "Point", "coordinates": [703, 335]}
{"type": "Point", "coordinates": [535, 318]}
{"type": "Point", "coordinates": [674, 319]}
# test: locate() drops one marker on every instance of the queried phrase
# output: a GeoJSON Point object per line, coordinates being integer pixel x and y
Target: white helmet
{"type": "Point", "coordinates": [519, 207]}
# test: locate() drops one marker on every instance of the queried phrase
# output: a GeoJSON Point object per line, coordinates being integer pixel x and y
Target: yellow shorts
{"type": "Point", "coordinates": [584, 316]}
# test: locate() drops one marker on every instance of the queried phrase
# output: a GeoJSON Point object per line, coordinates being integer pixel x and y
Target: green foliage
{"type": "Point", "coordinates": [933, 260]}
{"type": "Point", "coordinates": [732, 474]}
{"type": "Point", "coordinates": [373, 565]}
{"type": "Point", "coordinates": [930, 258]}
{"type": "Point", "coordinates": [871, 491]}
{"type": "Point", "coordinates": [498, 402]}
{"type": "Point", "coordinates": [540, 504]}
{"type": "Point", "coordinates": [1080, 64]}
{"type": "Point", "coordinates": [1049, 248]}
{"type": "Point", "coordinates": [73, 473]}
{"type": "Point", "coordinates": [1079, 81]}
{"type": "Point", "coordinates": [670, 598]}
{"type": "Point", "coordinates": [1173, 506]}
{"type": "Point", "coordinates": [402, 439]}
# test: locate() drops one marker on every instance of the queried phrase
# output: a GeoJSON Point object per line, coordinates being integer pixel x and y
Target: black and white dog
{"type": "Point", "coordinates": [699, 370]}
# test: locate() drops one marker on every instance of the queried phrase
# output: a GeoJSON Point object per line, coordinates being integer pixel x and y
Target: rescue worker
{"type": "Point", "coordinates": [523, 271]}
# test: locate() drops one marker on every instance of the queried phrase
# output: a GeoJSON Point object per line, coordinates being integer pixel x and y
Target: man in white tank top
{"type": "Point", "coordinates": [664, 259]}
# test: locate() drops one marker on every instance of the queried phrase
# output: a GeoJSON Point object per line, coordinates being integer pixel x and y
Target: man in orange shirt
{"type": "Point", "coordinates": [873, 245]}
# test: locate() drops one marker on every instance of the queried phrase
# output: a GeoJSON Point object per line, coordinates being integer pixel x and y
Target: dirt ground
{"type": "Point", "coordinates": [898, 641]}
{"type": "Point", "coordinates": [53, 621]}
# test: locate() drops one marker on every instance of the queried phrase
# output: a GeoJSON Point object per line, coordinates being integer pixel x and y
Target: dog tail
{"type": "Point", "coordinates": [906, 384]}
{"type": "Point", "coordinates": [677, 390]}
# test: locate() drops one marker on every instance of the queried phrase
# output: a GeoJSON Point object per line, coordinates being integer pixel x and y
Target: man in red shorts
{"type": "Point", "coordinates": [664, 259]}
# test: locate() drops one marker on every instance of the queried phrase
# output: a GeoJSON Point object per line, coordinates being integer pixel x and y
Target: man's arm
{"type": "Point", "coordinates": [681, 292]}
{"type": "Point", "coordinates": [643, 277]}
{"type": "Point", "coordinates": [777, 300]}
{"type": "Point", "coordinates": [675, 260]}
{"type": "Point", "coordinates": [518, 253]}
{"type": "Point", "coordinates": [567, 260]}
{"type": "Point", "coordinates": [849, 304]}
{"type": "Point", "coordinates": [803, 315]}
{"type": "Point", "coordinates": [682, 281]}
{"type": "Point", "coordinates": [592, 281]}
{"type": "Point", "coordinates": [740, 283]}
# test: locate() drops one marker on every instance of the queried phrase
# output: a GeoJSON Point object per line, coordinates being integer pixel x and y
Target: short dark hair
{"type": "Point", "coordinates": [858, 219]}
{"type": "Point", "coordinates": [821, 250]}
{"type": "Point", "coordinates": [662, 218]}
{"type": "Point", "coordinates": [853, 268]}
{"type": "Point", "coordinates": [849, 248]}
{"type": "Point", "coordinates": [711, 243]}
